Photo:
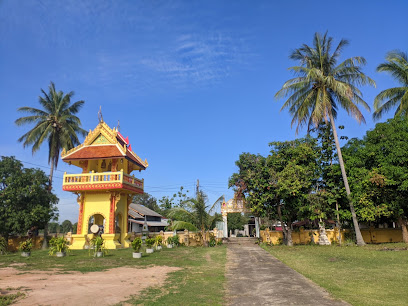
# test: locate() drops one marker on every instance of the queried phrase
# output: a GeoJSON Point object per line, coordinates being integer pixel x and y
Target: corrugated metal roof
{"type": "Point", "coordinates": [134, 214]}
{"type": "Point", "coordinates": [150, 223]}
{"type": "Point", "coordinates": [143, 210]}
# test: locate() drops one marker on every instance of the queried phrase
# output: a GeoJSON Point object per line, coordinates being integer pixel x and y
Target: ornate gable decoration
{"type": "Point", "coordinates": [234, 205]}
{"type": "Point", "coordinates": [101, 134]}
{"type": "Point", "coordinates": [104, 135]}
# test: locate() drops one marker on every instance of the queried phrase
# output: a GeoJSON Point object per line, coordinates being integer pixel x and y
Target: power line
{"type": "Point", "coordinates": [26, 162]}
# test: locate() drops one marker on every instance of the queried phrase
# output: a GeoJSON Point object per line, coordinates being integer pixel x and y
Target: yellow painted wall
{"type": "Point", "coordinates": [372, 235]}
{"type": "Point", "coordinates": [95, 203]}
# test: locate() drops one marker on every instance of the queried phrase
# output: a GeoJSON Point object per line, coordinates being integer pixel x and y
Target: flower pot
{"type": "Point", "coordinates": [61, 254]}
{"type": "Point", "coordinates": [169, 246]}
{"type": "Point", "coordinates": [159, 247]}
{"type": "Point", "coordinates": [137, 255]}
{"type": "Point", "coordinates": [99, 254]}
{"type": "Point", "coordinates": [25, 254]}
{"type": "Point", "coordinates": [149, 251]}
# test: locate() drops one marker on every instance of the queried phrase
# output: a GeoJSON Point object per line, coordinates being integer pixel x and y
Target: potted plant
{"type": "Point", "coordinates": [169, 242]}
{"type": "Point", "coordinates": [98, 245]}
{"type": "Point", "coordinates": [25, 247]}
{"type": "Point", "coordinates": [158, 242]}
{"type": "Point", "coordinates": [58, 246]}
{"type": "Point", "coordinates": [149, 244]}
{"type": "Point", "coordinates": [136, 246]}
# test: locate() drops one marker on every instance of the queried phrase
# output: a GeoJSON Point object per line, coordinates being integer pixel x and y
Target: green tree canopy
{"type": "Point", "coordinates": [66, 226]}
{"type": "Point", "coordinates": [279, 185]}
{"type": "Point", "coordinates": [148, 201]}
{"type": "Point", "coordinates": [379, 164]}
{"type": "Point", "coordinates": [24, 198]}
{"type": "Point", "coordinates": [237, 221]}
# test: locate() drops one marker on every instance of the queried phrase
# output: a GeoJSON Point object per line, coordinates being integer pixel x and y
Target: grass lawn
{"type": "Point", "coordinates": [369, 275]}
{"type": "Point", "coordinates": [201, 280]}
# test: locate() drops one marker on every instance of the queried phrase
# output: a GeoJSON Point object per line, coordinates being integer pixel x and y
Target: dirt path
{"type": "Point", "coordinates": [75, 288]}
{"type": "Point", "coordinates": [255, 277]}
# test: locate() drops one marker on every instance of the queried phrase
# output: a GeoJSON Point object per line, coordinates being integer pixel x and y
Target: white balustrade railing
{"type": "Point", "coordinates": [101, 177]}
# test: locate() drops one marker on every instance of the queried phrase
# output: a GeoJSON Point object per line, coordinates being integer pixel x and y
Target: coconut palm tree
{"type": "Point", "coordinates": [397, 65]}
{"type": "Point", "coordinates": [195, 215]}
{"type": "Point", "coordinates": [321, 86]}
{"type": "Point", "coordinates": [56, 123]}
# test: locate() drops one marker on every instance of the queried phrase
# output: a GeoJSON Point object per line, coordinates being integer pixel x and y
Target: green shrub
{"type": "Point", "coordinates": [58, 244]}
{"type": "Point", "coordinates": [174, 240]}
{"type": "Point", "coordinates": [26, 245]}
{"type": "Point", "coordinates": [150, 242]}
{"type": "Point", "coordinates": [98, 245]}
{"type": "Point", "coordinates": [158, 240]}
{"type": "Point", "coordinates": [137, 244]}
{"type": "Point", "coordinates": [212, 241]}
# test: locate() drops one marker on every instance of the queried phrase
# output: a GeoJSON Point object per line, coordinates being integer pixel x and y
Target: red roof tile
{"type": "Point", "coordinates": [101, 152]}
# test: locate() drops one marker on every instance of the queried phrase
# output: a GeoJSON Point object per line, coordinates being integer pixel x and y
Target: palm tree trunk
{"type": "Point", "coordinates": [50, 176]}
{"type": "Point", "coordinates": [359, 237]}
{"type": "Point", "coordinates": [45, 242]}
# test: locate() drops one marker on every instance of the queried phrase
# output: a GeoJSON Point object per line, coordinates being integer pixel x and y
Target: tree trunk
{"type": "Point", "coordinates": [338, 222]}
{"type": "Point", "coordinates": [45, 241]}
{"type": "Point", "coordinates": [403, 222]}
{"type": "Point", "coordinates": [50, 176]}
{"type": "Point", "coordinates": [289, 241]}
{"type": "Point", "coordinates": [285, 236]}
{"type": "Point", "coordinates": [359, 237]}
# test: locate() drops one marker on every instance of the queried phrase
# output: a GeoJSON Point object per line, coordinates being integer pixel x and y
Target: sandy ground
{"type": "Point", "coordinates": [75, 288]}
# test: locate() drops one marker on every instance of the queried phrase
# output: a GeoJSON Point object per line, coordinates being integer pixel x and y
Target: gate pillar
{"type": "Point", "coordinates": [225, 227]}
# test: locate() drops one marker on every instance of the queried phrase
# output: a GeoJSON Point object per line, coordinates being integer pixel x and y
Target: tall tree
{"type": "Point", "coordinates": [56, 123]}
{"type": "Point", "coordinates": [397, 65]}
{"type": "Point", "coordinates": [379, 162]}
{"type": "Point", "coordinates": [24, 199]}
{"type": "Point", "coordinates": [320, 87]}
{"type": "Point", "coordinates": [278, 186]}
{"type": "Point", "coordinates": [295, 163]}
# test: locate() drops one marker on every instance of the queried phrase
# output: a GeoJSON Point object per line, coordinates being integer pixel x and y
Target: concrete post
{"type": "Point", "coordinates": [224, 219]}
{"type": "Point", "coordinates": [257, 227]}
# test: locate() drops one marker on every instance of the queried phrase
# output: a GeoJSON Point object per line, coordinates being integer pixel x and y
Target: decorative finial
{"type": "Point", "coordinates": [118, 126]}
{"type": "Point", "coordinates": [100, 117]}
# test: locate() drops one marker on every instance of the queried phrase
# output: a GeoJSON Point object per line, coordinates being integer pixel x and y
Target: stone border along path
{"type": "Point", "coordinates": [255, 277]}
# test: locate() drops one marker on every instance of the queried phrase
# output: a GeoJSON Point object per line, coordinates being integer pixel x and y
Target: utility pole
{"type": "Point", "coordinates": [197, 188]}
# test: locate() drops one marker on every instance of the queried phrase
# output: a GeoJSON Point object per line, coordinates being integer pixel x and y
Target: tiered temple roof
{"type": "Point", "coordinates": [104, 143]}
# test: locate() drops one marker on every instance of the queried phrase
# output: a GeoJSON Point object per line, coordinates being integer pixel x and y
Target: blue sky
{"type": "Point", "coordinates": [192, 82]}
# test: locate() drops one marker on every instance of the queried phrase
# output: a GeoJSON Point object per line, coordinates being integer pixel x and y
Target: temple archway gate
{"type": "Point", "coordinates": [235, 205]}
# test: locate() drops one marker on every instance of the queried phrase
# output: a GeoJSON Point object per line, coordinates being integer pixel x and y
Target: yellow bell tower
{"type": "Point", "coordinates": [105, 186]}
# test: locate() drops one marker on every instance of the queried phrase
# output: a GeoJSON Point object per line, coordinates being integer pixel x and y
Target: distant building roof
{"type": "Point", "coordinates": [150, 223]}
{"type": "Point", "coordinates": [142, 211]}
{"type": "Point", "coordinates": [134, 214]}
